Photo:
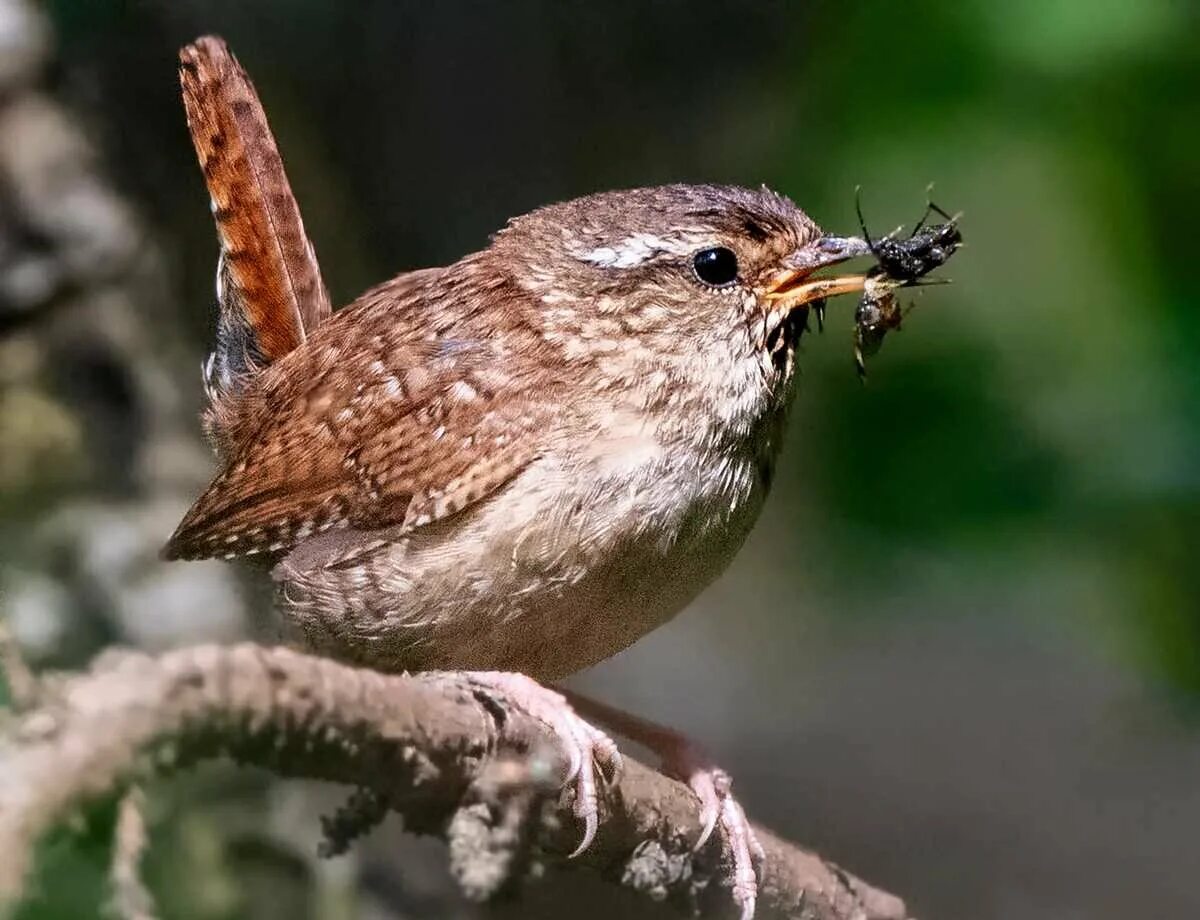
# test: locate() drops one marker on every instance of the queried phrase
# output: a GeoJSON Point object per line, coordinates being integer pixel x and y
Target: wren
{"type": "Point", "coordinates": [520, 462]}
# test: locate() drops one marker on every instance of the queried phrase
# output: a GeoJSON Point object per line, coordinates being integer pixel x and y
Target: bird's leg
{"type": "Point", "coordinates": [585, 746]}
{"type": "Point", "coordinates": [682, 758]}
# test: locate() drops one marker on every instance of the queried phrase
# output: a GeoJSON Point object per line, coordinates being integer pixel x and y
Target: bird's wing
{"type": "Point", "coordinates": [360, 429]}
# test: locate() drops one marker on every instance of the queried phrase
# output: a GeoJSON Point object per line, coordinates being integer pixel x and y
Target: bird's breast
{"type": "Point", "coordinates": [585, 551]}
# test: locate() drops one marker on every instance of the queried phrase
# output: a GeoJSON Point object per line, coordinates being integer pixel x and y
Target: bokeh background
{"type": "Point", "coordinates": [960, 654]}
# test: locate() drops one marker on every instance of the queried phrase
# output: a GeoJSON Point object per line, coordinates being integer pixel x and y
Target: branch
{"type": "Point", "coordinates": [131, 900]}
{"type": "Point", "coordinates": [421, 745]}
{"type": "Point", "coordinates": [19, 679]}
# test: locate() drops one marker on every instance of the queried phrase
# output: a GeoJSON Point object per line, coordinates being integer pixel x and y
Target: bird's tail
{"type": "Point", "coordinates": [269, 289]}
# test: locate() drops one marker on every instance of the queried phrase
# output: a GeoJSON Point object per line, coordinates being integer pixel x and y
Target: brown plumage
{"type": "Point", "coordinates": [436, 388]}
{"type": "Point", "coordinates": [269, 286]}
{"type": "Point", "coordinates": [377, 421]}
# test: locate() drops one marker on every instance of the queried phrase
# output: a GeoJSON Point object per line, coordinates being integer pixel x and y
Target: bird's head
{"type": "Point", "coordinates": [694, 283]}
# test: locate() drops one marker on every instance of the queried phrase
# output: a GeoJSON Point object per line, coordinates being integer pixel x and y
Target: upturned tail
{"type": "Point", "coordinates": [269, 288]}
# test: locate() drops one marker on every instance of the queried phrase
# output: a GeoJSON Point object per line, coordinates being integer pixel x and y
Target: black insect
{"type": "Point", "coordinates": [926, 248]}
{"type": "Point", "coordinates": [903, 262]}
{"type": "Point", "coordinates": [878, 313]}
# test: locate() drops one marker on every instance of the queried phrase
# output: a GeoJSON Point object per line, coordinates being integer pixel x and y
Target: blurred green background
{"type": "Point", "coordinates": [961, 653]}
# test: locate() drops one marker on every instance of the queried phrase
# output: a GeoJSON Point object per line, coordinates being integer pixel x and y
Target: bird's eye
{"type": "Point", "coordinates": [717, 266]}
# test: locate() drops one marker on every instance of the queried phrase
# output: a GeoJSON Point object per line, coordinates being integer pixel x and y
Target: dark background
{"type": "Point", "coordinates": [961, 652]}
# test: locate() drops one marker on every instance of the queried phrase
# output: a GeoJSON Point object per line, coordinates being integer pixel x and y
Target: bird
{"type": "Point", "coordinates": [510, 467]}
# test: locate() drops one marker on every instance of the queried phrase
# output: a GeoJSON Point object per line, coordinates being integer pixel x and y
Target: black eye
{"type": "Point", "coordinates": [717, 266]}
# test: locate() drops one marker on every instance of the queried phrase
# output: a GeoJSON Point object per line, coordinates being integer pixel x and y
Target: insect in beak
{"type": "Point", "coordinates": [899, 262]}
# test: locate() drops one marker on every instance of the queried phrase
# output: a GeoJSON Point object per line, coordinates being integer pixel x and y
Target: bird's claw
{"type": "Point", "coordinates": [584, 745]}
{"type": "Point", "coordinates": [590, 752]}
{"type": "Point", "coordinates": [712, 786]}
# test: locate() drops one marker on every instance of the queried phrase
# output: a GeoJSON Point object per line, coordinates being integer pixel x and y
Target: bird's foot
{"type": "Point", "coordinates": [712, 786]}
{"type": "Point", "coordinates": [681, 758]}
{"type": "Point", "coordinates": [590, 752]}
{"type": "Point", "coordinates": [585, 746]}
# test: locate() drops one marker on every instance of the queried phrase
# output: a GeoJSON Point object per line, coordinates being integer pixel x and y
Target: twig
{"type": "Point", "coordinates": [21, 682]}
{"type": "Point", "coordinates": [131, 900]}
{"type": "Point", "coordinates": [422, 743]}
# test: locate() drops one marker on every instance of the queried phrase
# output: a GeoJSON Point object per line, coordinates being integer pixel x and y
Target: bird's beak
{"type": "Point", "coordinates": [793, 284]}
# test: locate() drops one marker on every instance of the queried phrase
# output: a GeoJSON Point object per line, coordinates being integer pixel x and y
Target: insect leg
{"type": "Point", "coordinates": [862, 224]}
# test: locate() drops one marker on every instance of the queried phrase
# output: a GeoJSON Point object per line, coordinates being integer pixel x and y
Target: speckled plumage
{"type": "Point", "coordinates": [485, 467]}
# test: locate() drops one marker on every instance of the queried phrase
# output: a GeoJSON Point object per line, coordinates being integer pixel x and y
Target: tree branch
{"type": "Point", "coordinates": [422, 745]}
{"type": "Point", "coordinates": [19, 679]}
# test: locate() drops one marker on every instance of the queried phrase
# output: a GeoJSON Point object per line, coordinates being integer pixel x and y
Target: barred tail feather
{"type": "Point", "coordinates": [269, 288]}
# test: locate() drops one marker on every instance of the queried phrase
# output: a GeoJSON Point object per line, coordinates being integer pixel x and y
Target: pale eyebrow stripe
{"type": "Point", "coordinates": [634, 250]}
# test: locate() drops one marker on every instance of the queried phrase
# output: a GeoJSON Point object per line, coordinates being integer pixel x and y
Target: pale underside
{"type": "Point", "coordinates": [525, 580]}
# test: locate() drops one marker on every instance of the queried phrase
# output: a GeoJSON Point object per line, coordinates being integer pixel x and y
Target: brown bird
{"type": "Point", "coordinates": [515, 465]}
